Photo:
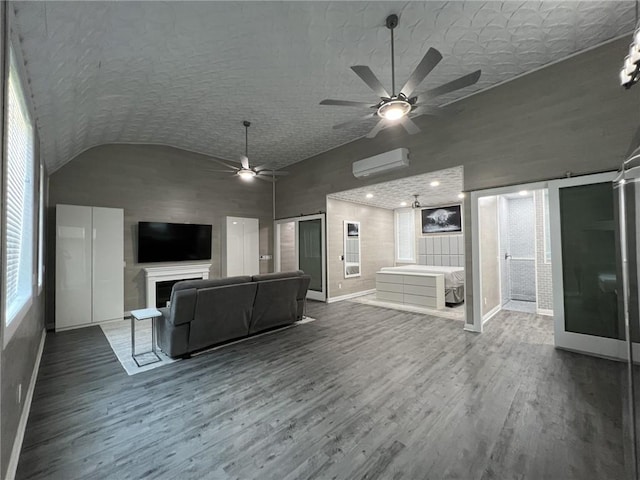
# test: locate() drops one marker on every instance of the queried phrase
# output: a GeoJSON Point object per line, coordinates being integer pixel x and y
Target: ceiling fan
{"type": "Point", "coordinates": [398, 106]}
{"type": "Point", "coordinates": [247, 172]}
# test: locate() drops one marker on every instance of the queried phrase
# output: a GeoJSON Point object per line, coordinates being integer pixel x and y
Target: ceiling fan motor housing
{"type": "Point", "coordinates": [392, 21]}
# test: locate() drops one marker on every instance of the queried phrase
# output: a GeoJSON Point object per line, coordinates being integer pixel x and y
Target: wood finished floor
{"type": "Point", "coordinates": [363, 392]}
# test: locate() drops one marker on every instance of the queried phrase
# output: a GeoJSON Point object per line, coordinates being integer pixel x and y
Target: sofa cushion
{"type": "Point", "coordinates": [276, 276]}
{"type": "Point", "coordinates": [221, 314]}
{"type": "Point", "coordinates": [211, 282]}
{"type": "Point", "coordinates": [276, 303]}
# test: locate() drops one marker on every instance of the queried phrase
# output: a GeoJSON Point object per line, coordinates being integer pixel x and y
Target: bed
{"type": "Point", "coordinates": [453, 279]}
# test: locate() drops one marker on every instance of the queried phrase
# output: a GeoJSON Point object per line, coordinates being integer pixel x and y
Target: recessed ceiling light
{"type": "Point", "coordinates": [435, 183]}
{"type": "Point", "coordinates": [461, 195]}
{"type": "Point", "coordinates": [403, 204]}
{"type": "Point", "coordinates": [369, 195]}
{"type": "Point", "coordinates": [523, 192]}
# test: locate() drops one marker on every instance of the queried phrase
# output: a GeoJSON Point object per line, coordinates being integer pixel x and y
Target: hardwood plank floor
{"type": "Point", "coordinates": [363, 392]}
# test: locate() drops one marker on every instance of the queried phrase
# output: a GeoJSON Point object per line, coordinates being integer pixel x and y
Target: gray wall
{"type": "Point", "coordinates": [571, 116]}
{"type": "Point", "coordinates": [18, 357]}
{"type": "Point", "coordinates": [158, 183]}
{"type": "Point", "coordinates": [376, 245]}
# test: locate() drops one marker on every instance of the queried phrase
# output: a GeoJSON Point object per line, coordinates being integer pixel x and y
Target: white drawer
{"type": "Point", "coordinates": [422, 280]}
{"type": "Point", "coordinates": [390, 296]}
{"type": "Point", "coordinates": [389, 278]}
{"type": "Point", "coordinates": [389, 287]}
{"type": "Point", "coordinates": [431, 302]}
{"type": "Point", "coordinates": [420, 290]}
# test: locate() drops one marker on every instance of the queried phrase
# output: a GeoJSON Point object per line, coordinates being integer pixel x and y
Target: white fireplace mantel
{"type": "Point", "coordinates": [171, 272]}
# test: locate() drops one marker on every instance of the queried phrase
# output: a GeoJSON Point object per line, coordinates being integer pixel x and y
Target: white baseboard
{"type": "Point", "coordinates": [544, 311]}
{"type": "Point", "coordinates": [491, 314]}
{"type": "Point", "coordinates": [22, 424]}
{"type": "Point", "coordinates": [351, 295]}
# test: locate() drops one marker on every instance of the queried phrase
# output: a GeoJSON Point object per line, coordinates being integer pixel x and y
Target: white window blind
{"type": "Point", "coordinates": [41, 230]}
{"type": "Point", "coordinates": [405, 236]}
{"type": "Point", "coordinates": [20, 198]}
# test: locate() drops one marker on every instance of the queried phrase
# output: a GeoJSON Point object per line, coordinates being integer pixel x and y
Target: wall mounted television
{"type": "Point", "coordinates": [173, 242]}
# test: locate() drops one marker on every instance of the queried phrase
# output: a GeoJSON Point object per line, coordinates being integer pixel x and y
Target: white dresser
{"type": "Point", "coordinates": [414, 288]}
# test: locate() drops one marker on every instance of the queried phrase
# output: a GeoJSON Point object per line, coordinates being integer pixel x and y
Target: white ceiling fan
{"type": "Point", "coordinates": [246, 172]}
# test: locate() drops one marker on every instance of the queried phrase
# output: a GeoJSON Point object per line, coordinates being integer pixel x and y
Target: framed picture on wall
{"type": "Point", "coordinates": [442, 219]}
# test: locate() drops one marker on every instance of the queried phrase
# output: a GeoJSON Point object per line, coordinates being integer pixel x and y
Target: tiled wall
{"type": "Point", "coordinates": [545, 285]}
{"type": "Point", "coordinates": [522, 268]}
{"type": "Point", "coordinates": [441, 250]}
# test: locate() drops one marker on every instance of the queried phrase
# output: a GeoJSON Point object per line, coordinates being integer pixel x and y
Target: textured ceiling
{"type": "Point", "coordinates": [188, 73]}
{"type": "Point", "coordinates": [391, 194]}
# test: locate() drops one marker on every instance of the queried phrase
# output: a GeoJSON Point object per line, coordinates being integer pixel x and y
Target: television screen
{"type": "Point", "coordinates": [173, 242]}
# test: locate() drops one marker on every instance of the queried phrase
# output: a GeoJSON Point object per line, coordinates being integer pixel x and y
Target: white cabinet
{"type": "Point", "coordinates": [241, 237]}
{"type": "Point", "coordinates": [89, 265]}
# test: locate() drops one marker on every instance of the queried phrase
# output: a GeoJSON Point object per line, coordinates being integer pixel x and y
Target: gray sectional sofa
{"type": "Point", "coordinates": [203, 313]}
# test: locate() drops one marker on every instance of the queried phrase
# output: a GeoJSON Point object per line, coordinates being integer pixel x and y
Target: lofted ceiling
{"type": "Point", "coordinates": [187, 73]}
{"type": "Point", "coordinates": [391, 194]}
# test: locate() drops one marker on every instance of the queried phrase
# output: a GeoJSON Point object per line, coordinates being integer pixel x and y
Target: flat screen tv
{"type": "Point", "coordinates": [173, 242]}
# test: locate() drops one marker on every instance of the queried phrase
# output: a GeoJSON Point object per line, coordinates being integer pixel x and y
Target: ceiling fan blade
{"type": "Point", "coordinates": [276, 173]}
{"type": "Point", "coordinates": [409, 125]}
{"type": "Point", "coordinates": [355, 121]}
{"type": "Point", "coordinates": [220, 171]}
{"type": "Point", "coordinates": [379, 126]}
{"type": "Point", "coordinates": [245, 162]}
{"type": "Point", "coordinates": [265, 178]}
{"type": "Point", "coordinates": [345, 103]}
{"type": "Point", "coordinates": [225, 164]}
{"type": "Point", "coordinates": [428, 63]}
{"type": "Point", "coordinates": [456, 84]}
{"type": "Point", "coordinates": [370, 79]}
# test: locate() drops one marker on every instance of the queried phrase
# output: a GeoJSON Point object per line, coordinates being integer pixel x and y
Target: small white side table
{"type": "Point", "coordinates": [136, 316]}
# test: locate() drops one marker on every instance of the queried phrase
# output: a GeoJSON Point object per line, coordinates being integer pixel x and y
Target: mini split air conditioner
{"type": "Point", "coordinates": [382, 163]}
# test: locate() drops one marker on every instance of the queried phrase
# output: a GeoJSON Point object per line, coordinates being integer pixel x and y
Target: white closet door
{"type": "Point", "coordinates": [251, 246]}
{"type": "Point", "coordinates": [235, 247]}
{"type": "Point", "coordinates": [108, 264]}
{"type": "Point", "coordinates": [242, 246]}
{"type": "Point", "coordinates": [73, 265]}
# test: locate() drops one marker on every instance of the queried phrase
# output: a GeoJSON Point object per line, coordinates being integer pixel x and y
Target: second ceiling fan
{"type": "Point", "coordinates": [247, 172]}
{"type": "Point", "coordinates": [398, 107]}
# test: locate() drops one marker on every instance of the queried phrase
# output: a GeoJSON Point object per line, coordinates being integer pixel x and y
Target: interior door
{"type": "Point", "coordinates": [300, 244]}
{"type": "Point", "coordinates": [586, 259]}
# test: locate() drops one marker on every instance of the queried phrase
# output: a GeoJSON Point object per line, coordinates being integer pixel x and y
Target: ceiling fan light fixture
{"type": "Point", "coordinates": [246, 174]}
{"type": "Point", "coordinates": [394, 109]}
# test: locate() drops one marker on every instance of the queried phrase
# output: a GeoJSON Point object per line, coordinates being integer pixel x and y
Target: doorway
{"type": "Point", "coordinates": [300, 245]}
{"type": "Point", "coordinates": [511, 239]}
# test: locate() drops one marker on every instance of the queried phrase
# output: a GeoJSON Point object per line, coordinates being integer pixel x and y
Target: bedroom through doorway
{"type": "Point", "coordinates": [400, 244]}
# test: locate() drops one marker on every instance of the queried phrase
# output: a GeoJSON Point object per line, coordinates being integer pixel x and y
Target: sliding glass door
{"type": "Point", "coordinates": [300, 244]}
{"type": "Point", "coordinates": [586, 265]}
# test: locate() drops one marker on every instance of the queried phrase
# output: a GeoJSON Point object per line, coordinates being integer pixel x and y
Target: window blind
{"type": "Point", "coordinates": [19, 201]}
{"type": "Point", "coordinates": [405, 236]}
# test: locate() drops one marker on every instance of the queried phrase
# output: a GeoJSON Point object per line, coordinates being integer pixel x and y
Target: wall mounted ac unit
{"type": "Point", "coordinates": [382, 163]}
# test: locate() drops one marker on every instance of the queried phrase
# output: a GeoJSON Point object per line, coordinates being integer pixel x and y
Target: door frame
{"type": "Point", "coordinates": [588, 344]}
{"type": "Point", "coordinates": [311, 294]}
{"type": "Point", "coordinates": [478, 321]}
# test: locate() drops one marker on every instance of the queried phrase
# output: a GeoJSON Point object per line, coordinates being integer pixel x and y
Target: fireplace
{"type": "Point", "coordinates": [163, 290]}
{"type": "Point", "coordinates": [164, 278]}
